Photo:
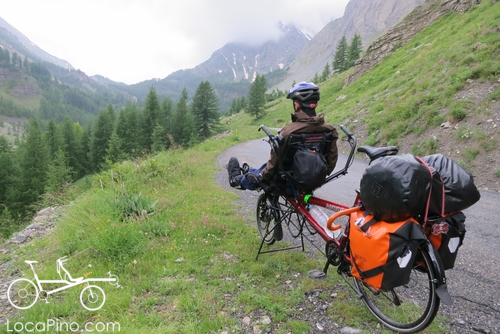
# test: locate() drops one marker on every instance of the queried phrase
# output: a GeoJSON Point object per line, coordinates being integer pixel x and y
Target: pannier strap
{"type": "Point", "coordinates": [366, 226]}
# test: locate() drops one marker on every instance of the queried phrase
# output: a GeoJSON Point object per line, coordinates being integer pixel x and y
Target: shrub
{"type": "Point", "coordinates": [458, 114]}
{"type": "Point", "coordinates": [426, 147]}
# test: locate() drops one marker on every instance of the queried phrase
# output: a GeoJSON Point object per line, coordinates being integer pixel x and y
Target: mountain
{"type": "Point", "coordinates": [13, 39]}
{"type": "Point", "coordinates": [36, 83]}
{"type": "Point", "coordinates": [368, 18]}
{"type": "Point", "coordinates": [231, 69]}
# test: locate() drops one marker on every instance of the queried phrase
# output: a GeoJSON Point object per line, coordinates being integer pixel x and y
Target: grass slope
{"type": "Point", "coordinates": [184, 254]}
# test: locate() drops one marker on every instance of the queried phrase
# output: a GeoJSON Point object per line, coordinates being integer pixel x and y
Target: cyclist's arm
{"type": "Point", "coordinates": [333, 155]}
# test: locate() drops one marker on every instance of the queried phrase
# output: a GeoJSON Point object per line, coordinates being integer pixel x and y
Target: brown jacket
{"type": "Point", "coordinates": [302, 123]}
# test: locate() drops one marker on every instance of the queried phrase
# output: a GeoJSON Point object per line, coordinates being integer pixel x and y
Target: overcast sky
{"type": "Point", "coordinates": [134, 40]}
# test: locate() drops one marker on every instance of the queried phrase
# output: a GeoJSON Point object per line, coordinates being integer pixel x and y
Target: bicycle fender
{"type": "Point", "coordinates": [437, 264]}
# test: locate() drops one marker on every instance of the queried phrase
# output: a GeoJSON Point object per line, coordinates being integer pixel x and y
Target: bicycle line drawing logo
{"type": "Point", "coordinates": [24, 293]}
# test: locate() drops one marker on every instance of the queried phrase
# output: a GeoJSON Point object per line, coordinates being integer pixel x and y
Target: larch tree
{"type": "Point", "coordinates": [257, 96]}
{"type": "Point", "coordinates": [150, 116]}
{"type": "Point", "coordinates": [205, 108]}
{"type": "Point", "coordinates": [355, 50]}
{"type": "Point", "coordinates": [340, 57]}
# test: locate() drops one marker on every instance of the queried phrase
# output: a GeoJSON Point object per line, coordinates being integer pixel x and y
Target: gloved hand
{"type": "Point", "coordinates": [254, 178]}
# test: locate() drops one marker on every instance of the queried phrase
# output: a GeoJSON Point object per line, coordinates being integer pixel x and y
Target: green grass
{"type": "Point", "coordinates": [184, 253]}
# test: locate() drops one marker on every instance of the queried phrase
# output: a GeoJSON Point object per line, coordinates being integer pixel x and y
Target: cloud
{"type": "Point", "coordinates": [136, 40]}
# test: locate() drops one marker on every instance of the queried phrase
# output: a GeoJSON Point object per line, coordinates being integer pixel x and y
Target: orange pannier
{"type": "Point", "coordinates": [382, 253]}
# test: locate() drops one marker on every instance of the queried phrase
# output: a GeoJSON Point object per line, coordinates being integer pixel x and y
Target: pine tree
{"type": "Point", "coordinates": [7, 171]}
{"type": "Point", "coordinates": [316, 78]}
{"type": "Point", "coordinates": [205, 108]}
{"type": "Point", "coordinates": [52, 139]}
{"type": "Point", "coordinates": [100, 139]}
{"type": "Point", "coordinates": [326, 72]}
{"type": "Point", "coordinates": [114, 152]}
{"type": "Point", "coordinates": [71, 147]}
{"type": "Point", "coordinates": [33, 166]}
{"type": "Point", "coordinates": [166, 118]}
{"type": "Point", "coordinates": [126, 129]}
{"type": "Point", "coordinates": [59, 174]}
{"type": "Point", "coordinates": [257, 96]}
{"type": "Point", "coordinates": [183, 124]}
{"type": "Point", "coordinates": [340, 58]}
{"type": "Point", "coordinates": [160, 140]}
{"type": "Point", "coordinates": [150, 115]}
{"type": "Point", "coordinates": [85, 144]}
{"type": "Point", "coordinates": [355, 49]}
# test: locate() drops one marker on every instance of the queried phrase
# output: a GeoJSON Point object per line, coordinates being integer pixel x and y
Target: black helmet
{"type": "Point", "coordinates": [304, 91]}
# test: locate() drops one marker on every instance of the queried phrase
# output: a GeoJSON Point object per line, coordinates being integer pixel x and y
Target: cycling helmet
{"type": "Point", "coordinates": [304, 91]}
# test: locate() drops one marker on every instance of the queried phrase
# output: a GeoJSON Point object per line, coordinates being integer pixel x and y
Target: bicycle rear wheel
{"type": "Point", "coordinates": [408, 308]}
{"type": "Point", "coordinates": [267, 217]}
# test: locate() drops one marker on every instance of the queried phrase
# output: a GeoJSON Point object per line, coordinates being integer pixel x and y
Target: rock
{"type": "Point", "coordinates": [350, 330]}
{"type": "Point", "coordinates": [18, 238]}
{"type": "Point", "coordinates": [265, 320]}
{"type": "Point", "coordinates": [446, 125]}
{"type": "Point", "coordinates": [247, 320]}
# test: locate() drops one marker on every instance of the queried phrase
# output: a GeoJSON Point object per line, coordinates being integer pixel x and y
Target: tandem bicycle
{"type": "Point", "coordinates": [407, 308]}
{"type": "Point", "coordinates": [23, 293]}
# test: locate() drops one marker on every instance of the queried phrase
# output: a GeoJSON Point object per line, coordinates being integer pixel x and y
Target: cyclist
{"type": "Point", "coordinates": [305, 98]}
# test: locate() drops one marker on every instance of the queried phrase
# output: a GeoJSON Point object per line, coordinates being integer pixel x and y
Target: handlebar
{"type": "Point", "coordinates": [276, 141]}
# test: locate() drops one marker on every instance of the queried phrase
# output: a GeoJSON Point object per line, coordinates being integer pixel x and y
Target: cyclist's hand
{"type": "Point", "coordinates": [254, 178]}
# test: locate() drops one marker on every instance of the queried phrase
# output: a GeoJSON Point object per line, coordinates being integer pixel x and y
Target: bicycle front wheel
{"type": "Point", "coordinates": [408, 308]}
{"type": "Point", "coordinates": [22, 293]}
{"type": "Point", "coordinates": [92, 297]}
{"type": "Point", "coordinates": [267, 217]}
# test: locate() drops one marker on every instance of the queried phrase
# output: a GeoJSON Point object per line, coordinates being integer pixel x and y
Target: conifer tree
{"type": "Point", "coordinates": [114, 152]}
{"type": "Point", "coordinates": [257, 96]}
{"type": "Point", "coordinates": [183, 124]}
{"type": "Point", "coordinates": [85, 143]}
{"type": "Point", "coordinates": [7, 171]}
{"type": "Point", "coordinates": [341, 54]}
{"type": "Point", "coordinates": [326, 72]}
{"type": "Point", "coordinates": [355, 49]}
{"type": "Point", "coordinates": [59, 174]}
{"type": "Point", "coordinates": [205, 108]}
{"type": "Point", "coordinates": [160, 140]}
{"type": "Point", "coordinates": [71, 147]}
{"type": "Point", "coordinates": [52, 139]}
{"type": "Point", "coordinates": [166, 117]}
{"type": "Point", "coordinates": [33, 166]}
{"type": "Point", "coordinates": [126, 129]}
{"type": "Point", "coordinates": [150, 116]}
{"type": "Point", "coordinates": [100, 139]}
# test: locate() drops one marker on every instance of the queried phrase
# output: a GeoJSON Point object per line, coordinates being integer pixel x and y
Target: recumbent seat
{"type": "Point", "coordinates": [321, 141]}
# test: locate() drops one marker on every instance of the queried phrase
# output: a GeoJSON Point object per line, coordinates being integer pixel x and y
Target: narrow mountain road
{"type": "Point", "coordinates": [473, 282]}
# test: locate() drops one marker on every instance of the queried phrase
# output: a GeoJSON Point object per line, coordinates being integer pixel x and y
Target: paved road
{"type": "Point", "coordinates": [474, 283]}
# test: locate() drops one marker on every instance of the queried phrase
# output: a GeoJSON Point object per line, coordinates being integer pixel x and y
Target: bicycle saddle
{"type": "Point", "coordinates": [30, 262]}
{"type": "Point", "coordinates": [377, 152]}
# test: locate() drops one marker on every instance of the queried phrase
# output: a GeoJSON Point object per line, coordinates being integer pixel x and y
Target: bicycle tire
{"type": "Point", "coordinates": [419, 302]}
{"type": "Point", "coordinates": [92, 300]}
{"type": "Point", "coordinates": [22, 293]}
{"type": "Point", "coordinates": [294, 219]}
{"type": "Point", "coordinates": [267, 216]}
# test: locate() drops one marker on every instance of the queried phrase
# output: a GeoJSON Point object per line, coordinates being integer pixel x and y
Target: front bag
{"type": "Point", "coordinates": [382, 253]}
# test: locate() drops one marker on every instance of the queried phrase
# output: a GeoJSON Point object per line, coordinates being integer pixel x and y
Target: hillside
{"type": "Point", "coordinates": [434, 89]}
{"type": "Point", "coordinates": [369, 19]}
{"type": "Point", "coordinates": [184, 252]}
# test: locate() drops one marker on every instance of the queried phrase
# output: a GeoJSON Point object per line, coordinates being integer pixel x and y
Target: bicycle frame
{"type": "Point", "coordinates": [68, 285]}
{"type": "Point", "coordinates": [427, 275]}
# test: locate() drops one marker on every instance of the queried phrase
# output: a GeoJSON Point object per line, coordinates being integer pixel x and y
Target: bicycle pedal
{"type": "Point", "coordinates": [317, 274]}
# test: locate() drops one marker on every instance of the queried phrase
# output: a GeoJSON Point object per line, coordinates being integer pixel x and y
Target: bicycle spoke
{"type": "Point", "coordinates": [407, 308]}
{"type": "Point", "coordinates": [22, 293]}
